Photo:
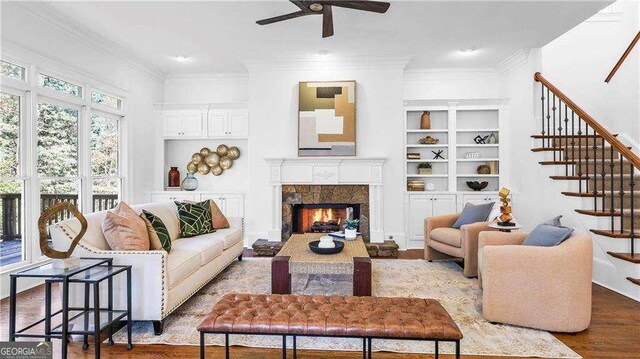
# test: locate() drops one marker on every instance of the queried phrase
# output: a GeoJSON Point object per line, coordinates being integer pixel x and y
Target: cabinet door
{"type": "Point", "coordinates": [444, 205]}
{"type": "Point", "coordinates": [238, 124]}
{"type": "Point", "coordinates": [162, 197]}
{"type": "Point", "coordinates": [233, 205]}
{"type": "Point", "coordinates": [217, 124]}
{"type": "Point", "coordinates": [171, 124]}
{"type": "Point", "coordinates": [475, 199]}
{"type": "Point", "coordinates": [420, 207]}
{"type": "Point", "coordinates": [191, 124]}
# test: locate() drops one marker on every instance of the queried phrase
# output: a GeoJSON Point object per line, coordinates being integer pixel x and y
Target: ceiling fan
{"type": "Point", "coordinates": [311, 7]}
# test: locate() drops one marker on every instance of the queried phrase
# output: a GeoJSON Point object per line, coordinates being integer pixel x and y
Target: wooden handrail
{"type": "Point", "coordinates": [611, 139]}
{"type": "Point", "coordinates": [623, 57]}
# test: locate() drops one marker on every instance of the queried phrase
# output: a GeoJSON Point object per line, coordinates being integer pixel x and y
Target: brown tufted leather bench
{"type": "Point", "coordinates": [330, 316]}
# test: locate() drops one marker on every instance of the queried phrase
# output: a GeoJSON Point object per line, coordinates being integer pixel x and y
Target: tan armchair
{"type": "Point", "coordinates": [545, 288]}
{"type": "Point", "coordinates": [442, 241]}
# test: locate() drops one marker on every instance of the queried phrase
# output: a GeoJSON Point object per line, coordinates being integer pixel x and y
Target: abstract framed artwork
{"type": "Point", "coordinates": [327, 118]}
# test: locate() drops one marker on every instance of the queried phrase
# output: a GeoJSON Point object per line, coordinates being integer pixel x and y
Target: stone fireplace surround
{"type": "Point", "coordinates": [330, 171]}
{"type": "Point", "coordinates": [324, 194]}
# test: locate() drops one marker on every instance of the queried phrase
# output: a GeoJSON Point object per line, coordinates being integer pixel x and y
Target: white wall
{"type": "Point", "coordinates": [579, 61]}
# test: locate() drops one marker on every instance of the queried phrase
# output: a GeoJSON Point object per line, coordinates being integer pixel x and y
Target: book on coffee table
{"type": "Point", "coordinates": [340, 234]}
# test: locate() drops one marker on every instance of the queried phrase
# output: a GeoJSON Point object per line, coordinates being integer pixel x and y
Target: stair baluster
{"type": "Point", "coordinates": [573, 144]}
{"type": "Point", "coordinates": [580, 155]}
{"type": "Point", "coordinates": [548, 119]}
{"type": "Point", "coordinates": [632, 183]}
{"type": "Point", "coordinates": [554, 122]}
{"type": "Point", "coordinates": [542, 113]}
{"type": "Point", "coordinates": [603, 174]}
{"type": "Point", "coordinates": [611, 205]}
{"type": "Point", "coordinates": [566, 138]}
{"type": "Point", "coordinates": [622, 193]}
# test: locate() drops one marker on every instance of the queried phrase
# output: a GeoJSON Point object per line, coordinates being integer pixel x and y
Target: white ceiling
{"type": "Point", "coordinates": [216, 34]}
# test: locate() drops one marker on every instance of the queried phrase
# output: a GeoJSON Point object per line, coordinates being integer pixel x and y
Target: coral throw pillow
{"type": "Point", "coordinates": [217, 218]}
{"type": "Point", "coordinates": [124, 230]}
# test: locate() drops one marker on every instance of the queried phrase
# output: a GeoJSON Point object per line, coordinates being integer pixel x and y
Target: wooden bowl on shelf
{"type": "Point", "coordinates": [477, 186]}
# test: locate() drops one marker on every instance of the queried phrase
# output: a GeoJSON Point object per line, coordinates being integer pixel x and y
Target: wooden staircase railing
{"type": "Point", "coordinates": [606, 169]}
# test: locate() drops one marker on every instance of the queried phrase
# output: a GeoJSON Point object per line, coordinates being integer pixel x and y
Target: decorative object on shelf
{"type": "Point", "coordinates": [425, 168]}
{"type": "Point", "coordinates": [61, 259]}
{"type": "Point", "coordinates": [351, 229]}
{"type": "Point", "coordinates": [326, 242]}
{"type": "Point", "coordinates": [471, 155]}
{"type": "Point", "coordinates": [196, 158]}
{"type": "Point", "coordinates": [192, 167]}
{"type": "Point", "coordinates": [174, 177]}
{"type": "Point", "coordinates": [204, 151]}
{"type": "Point", "coordinates": [425, 120]}
{"type": "Point", "coordinates": [233, 153]}
{"type": "Point", "coordinates": [203, 169]}
{"type": "Point", "coordinates": [493, 165]}
{"type": "Point", "coordinates": [314, 246]}
{"type": "Point", "coordinates": [415, 185]}
{"type": "Point", "coordinates": [492, 138]}
{"type": "Point", "coordinates": [216, 170]}
{"type": "Point", "coordinates": [479, 140]}
{"type": "Point", "coordinates": [438, 155]}
{"type": "Point", "coordinates": [190, 183]}
{"type": "Point", "coordinates": [477, 186]}
{"type": "Point", "coordinates": [430, 186]}
{"type": "Point", "coordinates": [226, 162]}
{"type": "Point", "coordinates": [506, 217]}
{"type": "Point", "coordinates": [413, 155]}
{"type": "Point", "coordinates": [327, 118]}
{"type": "Point", "coordinates": [212, 159]}
{"type": "Point", "coordinates": [222, 150]}
{"type": "Point", "coordinates": [428, 140]}
{"type": "Point", "coordinates": [483, 170]}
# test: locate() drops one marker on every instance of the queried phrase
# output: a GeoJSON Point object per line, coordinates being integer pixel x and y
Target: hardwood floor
{"type": "Point", "coordinates": [614, 332]}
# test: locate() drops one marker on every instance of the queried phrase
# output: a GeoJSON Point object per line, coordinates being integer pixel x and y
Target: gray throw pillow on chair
{"type": "Point", "coordinates": [473, 213]}
{"type": "Point", "coordinates": [555, 221]}
{"type": "Point", "coordinates": [545, 235]}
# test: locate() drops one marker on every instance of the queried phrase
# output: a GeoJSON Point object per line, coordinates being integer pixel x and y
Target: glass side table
{"type": "Point", "coordinates": [90, 273]}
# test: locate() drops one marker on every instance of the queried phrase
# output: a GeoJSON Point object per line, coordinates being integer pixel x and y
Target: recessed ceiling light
{"type": "Point", "coordinates": [323, 53]}
{"type": "Point", "coordinates": [469, 51]}
{"type": "Point", "coordinates": [182, 58]}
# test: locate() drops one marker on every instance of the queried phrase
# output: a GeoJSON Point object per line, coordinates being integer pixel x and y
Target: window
{"type": "Point", "coordinates": [55, 84]}
{"type": "Point", "coordinates": [14, 71]}
{"type": "Point", "coordinates": [106, 100]}
{"type": "Point", "coordinates": [11, 186]}
{"type": "Point", "coordinates": [105, 162]}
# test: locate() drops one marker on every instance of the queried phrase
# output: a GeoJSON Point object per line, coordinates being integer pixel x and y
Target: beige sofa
{"type": "Point", "coordinates": [444, 242]}
{"type": "Point", "coordinates": [545, 288]}
{"type": "Point", "coordinates": [161, 281]}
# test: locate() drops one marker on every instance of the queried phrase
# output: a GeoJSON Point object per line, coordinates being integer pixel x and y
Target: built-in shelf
{"type": "Point", "coordinates": [479, 145]}
{"type": "Point", "coordinates": [477, 159]}
{"type": "Point", "coordinates": [427, 160]}
{"type": "Point", "coordinates": [429, 131]}
{"type": "Point", "coordinates": [427, 146]}
{"type": "Point", "coordinates": [477, 130]}
{"type": "Point", "coordinates": [429, 176]}
{"type": "Point", "coordinates": [478, 175]}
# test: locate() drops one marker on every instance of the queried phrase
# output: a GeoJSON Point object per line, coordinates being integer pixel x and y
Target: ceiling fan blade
{"type": "Point", "coordinates": [373, 6]}
{"type": "Point", "coordinates": [271, 20]}
{"type": "Point", "coordinates": [327, 21]}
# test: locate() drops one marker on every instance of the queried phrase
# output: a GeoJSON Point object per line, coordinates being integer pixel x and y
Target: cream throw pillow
{"type": "Point", "coordinates": [124, 230]}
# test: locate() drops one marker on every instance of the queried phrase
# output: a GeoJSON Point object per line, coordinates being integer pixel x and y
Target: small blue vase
{"type": "Point", "coordinates": [190, 183]}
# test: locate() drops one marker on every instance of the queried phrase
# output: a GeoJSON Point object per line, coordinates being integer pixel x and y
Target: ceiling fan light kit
{"type": "Point", "coordinates": [325, 8]}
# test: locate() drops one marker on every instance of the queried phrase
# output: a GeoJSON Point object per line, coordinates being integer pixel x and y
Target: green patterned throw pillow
{"type": "Point", "coordinates": [195, 218]}
{"type": "Point", "coordinates": [159, 228]}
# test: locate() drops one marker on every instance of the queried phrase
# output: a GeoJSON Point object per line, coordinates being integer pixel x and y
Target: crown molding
{"type": "Point", "coordinates": [228, 78]}
{"type": "Point", "coordinates": [307, 63]}
{"type": "Point", "coordinates": [518, 58]}
{"type": "Point", "coordinates": [54, 18]}
{"type": "Point", "coordinates": [485, 73]}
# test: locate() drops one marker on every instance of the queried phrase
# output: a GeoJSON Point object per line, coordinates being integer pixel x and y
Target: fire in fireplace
{"type": "Point", "coordinates": [322, 218]}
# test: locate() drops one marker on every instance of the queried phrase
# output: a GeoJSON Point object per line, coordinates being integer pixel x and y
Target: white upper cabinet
{"type": "Point", "coordinates": [232, 123]}
{"type": "Point", "coordinates": [181, 124]}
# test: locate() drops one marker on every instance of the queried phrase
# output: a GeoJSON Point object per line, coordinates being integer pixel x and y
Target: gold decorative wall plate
{"type": "Point", "coordinates": [215, 162]}
{"type": "Point", "coordinates": [42, 227]}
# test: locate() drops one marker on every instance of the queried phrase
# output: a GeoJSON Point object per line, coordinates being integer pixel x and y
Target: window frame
{"type": "Point", "coordinates": [32, 94]}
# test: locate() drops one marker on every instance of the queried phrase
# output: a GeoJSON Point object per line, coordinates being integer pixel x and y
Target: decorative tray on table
{"type": "Point", "coordinates": [315, 249]}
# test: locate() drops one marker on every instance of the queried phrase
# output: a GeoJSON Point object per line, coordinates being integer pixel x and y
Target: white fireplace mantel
{"type": "Point", "coordinates": [327, 171]}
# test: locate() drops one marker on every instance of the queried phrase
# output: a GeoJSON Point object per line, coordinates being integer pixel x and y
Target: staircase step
{"type": "Point", "coordinates": [556, 163]}
{"type": "Point", "coordinates": [615, 234]}
{"type": "Point", "coordinates": [635, 258]}
{"type": "Point", "coordinates": [582, 194]}
{"type": "Point", "coordinates": [607, 213]}
{"type": "Point", "coordinates": [545, 149]}
{"type": "Point", "coordinates": [635, 281]}
{"type": "Point", "coordinates": [569, 178]}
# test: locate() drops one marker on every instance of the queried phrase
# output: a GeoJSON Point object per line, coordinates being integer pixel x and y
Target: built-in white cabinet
{"type": "Point", "coordinates": [230, 123]}
{"type": "Point", "coordinates": [231, 204]}
{"type": "Point", "coordinates": [479, 198]}
{"type": "Point", "coordinates": [181, 124]}
{"type": "Point", "coordinates": [422, 206]}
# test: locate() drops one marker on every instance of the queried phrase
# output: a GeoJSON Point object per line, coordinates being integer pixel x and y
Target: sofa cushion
{"type": "Point", "coordinates": [209, 248]}
{"type": "Point", "coordinates": [450, 236]}
{"type": "Point", "coordinates": [182, 263]}
{"type": "Point", "coordinates": [544, 235]}
{"type": "Point", "coordinates": [159, 237]}
{"type": "Point", "coordinates": [473, 213]}
{"type": "Point", "coordinates": [167, 212]}
{"type": "Point", "coordinates": [195, 218]}
{"type": "Point", "coordinates": [125, 230]}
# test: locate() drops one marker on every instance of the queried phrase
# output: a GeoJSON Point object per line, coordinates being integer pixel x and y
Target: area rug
{"type": "Point", "coordinates": [443, 281]}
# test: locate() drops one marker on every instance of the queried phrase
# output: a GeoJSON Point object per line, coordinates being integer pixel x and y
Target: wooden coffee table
{"type": "Point", "coordinates": [295, 257]}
